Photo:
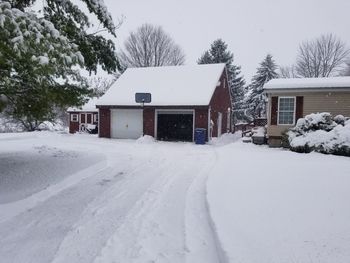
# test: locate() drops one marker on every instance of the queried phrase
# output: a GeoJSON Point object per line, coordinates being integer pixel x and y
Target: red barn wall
{"type": "Point", "coordinates": [73, 126]}
{"type": "Point", "coordinates": [148, 121]}
{"type": "Point", "coordinates": [220, 102]}
{"type": "Point", "coordinates": [201, 117]}
{"type": "Point", "coordinates": [105, 123]}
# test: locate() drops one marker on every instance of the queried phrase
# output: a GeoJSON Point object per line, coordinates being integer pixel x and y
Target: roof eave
{"type": "Point", "coordinates": [295, 90]}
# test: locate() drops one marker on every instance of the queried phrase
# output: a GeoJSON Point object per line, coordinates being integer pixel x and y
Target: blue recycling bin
{"type": "Point", "coordinates": [199, 135]}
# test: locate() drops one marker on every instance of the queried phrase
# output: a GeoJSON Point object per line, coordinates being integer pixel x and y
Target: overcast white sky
{"type": "Point", "coordinates": [251, 28]}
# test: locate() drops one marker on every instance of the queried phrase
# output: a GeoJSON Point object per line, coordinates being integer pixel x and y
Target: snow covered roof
{"type": "Point", "coordinates": [308, 83]}
{"type": "Point", "coordinates": [169, 86]}
{"type": "Point", "coordinates": [89, 106]}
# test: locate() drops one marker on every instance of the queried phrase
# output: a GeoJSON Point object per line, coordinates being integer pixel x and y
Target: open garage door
{"type": "Point", "coordinates": [126, 123]}
{"type": "Point", "coordinates": [175, 125]}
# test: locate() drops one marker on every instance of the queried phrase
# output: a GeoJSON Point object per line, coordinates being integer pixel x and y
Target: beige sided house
{"type": "Point", "coordinates": [291, 99]}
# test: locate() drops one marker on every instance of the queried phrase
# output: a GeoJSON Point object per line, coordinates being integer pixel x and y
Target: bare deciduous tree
{"type": "Point", "coordinates": [150, 46]}
{"type": "Point", "coordinates": [100, 85]}
{"type": "Point", "coordinates": [287, 72]}
{"type": "Point", "coordinates": [322, 57]}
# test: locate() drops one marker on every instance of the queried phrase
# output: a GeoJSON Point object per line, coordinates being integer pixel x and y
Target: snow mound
{"type": "Point", "coordinates": [146, 139]}
{"type": "Point", "coordinates": [49, 126]}
{"type": "Point", "coordinates": [8, 125]}
{"type": "Point", "coordinates": [226, 138]}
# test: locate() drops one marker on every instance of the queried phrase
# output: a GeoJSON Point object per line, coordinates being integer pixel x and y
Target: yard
{"type": "Point", "coordinates": [78, 198]}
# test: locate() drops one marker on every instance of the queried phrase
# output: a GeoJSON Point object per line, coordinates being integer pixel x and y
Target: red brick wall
{"type": "Point", "coordinates": [148, 121]}
{"type": "Point", "coordinates": [105, 123]}
{"type": "Point", "coordinates": [220, 102]}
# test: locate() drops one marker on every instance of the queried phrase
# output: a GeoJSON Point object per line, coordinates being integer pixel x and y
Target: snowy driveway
{"type": "Point", "coordinates": [142, 202]}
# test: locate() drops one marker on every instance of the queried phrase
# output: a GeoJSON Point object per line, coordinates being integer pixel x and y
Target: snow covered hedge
{"type": "Point", "coordinates": [321, 133]}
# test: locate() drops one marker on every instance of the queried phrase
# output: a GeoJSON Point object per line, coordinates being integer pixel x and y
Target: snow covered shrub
{"type": "Point", "coordinates": [340, 119]}
{"type": "Point", "coordinates": [322, 133]}
{"type": "Point", "coordinates": [315, 121]}
{"type": "Point", "coordinates": [285, 140]}
{"type": "Point", "coordinates": [8, 125]}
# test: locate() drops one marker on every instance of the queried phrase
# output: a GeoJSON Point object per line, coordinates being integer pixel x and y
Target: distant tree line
{"type": "Point", "coordinates": [325, 56]}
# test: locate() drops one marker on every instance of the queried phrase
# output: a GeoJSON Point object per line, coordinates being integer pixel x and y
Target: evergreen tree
{"type": "Point", "coordinates": [40, 56]}
{"type": "Point", "coordinates": [218, 53]}
{"type": "Point", "coordinates": [206, 58]}
{"type": "Point", "coordinates": [257, 99]}
{"type": "Point", "coordinates": [238, 91]}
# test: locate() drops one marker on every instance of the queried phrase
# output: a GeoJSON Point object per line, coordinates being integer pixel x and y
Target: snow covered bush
{"type": "Point", "coordinates": [321, 133]}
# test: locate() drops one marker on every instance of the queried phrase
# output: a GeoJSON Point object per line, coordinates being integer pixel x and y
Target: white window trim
{"type": "Point", "coordinates": [278, 111]}
{"type": "Point", "coordinates": [95, 117]}
{"type": "Point", "coordinates": [72, 119]}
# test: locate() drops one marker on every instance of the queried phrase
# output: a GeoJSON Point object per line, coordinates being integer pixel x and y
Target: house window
{"type": "Point", "coordinates": [286, 110]}
{"type": "Point", "coordinates": [95, 117]}
{"type": "Point", "coordinates": [74, 117]}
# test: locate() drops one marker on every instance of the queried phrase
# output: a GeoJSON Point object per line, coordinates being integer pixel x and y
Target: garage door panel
{"type": "Point", "coordinates": [126, 123]}
{"type": "Point", "coordinates": [175, 126]}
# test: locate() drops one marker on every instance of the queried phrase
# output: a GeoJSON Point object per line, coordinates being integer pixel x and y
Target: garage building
{"type": "Point", "coordinates": [183, 98]}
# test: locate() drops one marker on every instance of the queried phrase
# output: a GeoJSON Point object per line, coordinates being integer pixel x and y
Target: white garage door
{"type": "Point", "coordinates": [126, 124]}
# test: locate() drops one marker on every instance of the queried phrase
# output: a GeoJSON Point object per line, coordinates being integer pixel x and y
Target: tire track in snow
{"type": "Point", "coordinates": [154, 230]}
{"type": "Point", "coordinates": [103, 215]}
{"type": "Point", "coordinates": [221, 253]}
{"type": "Point", "coordinates": [46, 223]}
{"type": "Point", "coordinates": [201, 242]}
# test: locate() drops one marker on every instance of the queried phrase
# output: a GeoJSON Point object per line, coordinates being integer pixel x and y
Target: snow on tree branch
{"type": "Point", "coordinates": [27, 34]}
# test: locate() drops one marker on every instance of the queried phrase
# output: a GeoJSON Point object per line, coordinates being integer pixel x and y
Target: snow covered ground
{"type": "Point", "coordinates": [78, 198]}
{"type": "Point", "coordinates": [280, 206]}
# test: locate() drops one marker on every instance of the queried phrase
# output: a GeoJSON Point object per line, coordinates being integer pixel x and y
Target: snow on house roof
{"type": "Point", "coordinates": [89, 106]}
{"type": "Point", "coordinates": [169, 86]}
{"type": "Point", "coordinates": [308, 83]}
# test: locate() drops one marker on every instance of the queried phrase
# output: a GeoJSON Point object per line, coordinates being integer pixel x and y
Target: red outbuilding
{"type": "Point", "coordinates": [183, 98]}
{"type": "Point", "coordinates": [84, 118]}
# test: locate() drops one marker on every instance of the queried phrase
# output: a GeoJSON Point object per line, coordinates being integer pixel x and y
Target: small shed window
{"type": "Point", "coordinates": [74, 117]}
{"type": "Point", "coordinates": [95, 117]}
{"type": "Point", "coordinates": [286, 110]}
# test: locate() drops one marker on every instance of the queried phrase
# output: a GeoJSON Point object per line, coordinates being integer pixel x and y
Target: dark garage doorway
{"type": "Point", "coordinates": [176, 126]}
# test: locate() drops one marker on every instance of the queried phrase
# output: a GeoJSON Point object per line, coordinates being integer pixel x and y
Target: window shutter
{"type": "Point", "coordinates": [274, 109]}
{"type": "Point", "coordinates": [299, 108]}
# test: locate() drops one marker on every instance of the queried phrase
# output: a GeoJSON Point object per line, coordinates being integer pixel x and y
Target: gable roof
{"type": "Point", "coordinates": [308, 84]}
{"type": "Point", "coordinates": [169, 86]}
{"type": "Point", "coordinates": [90, 106]}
